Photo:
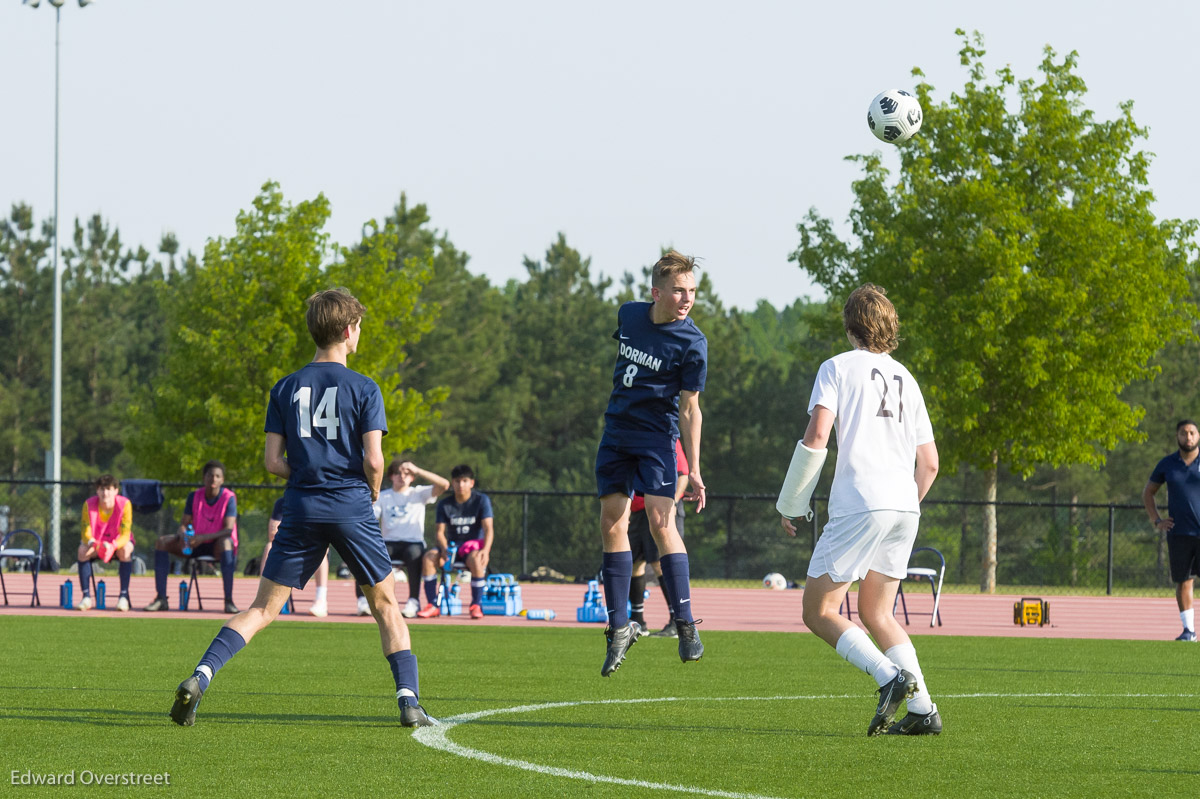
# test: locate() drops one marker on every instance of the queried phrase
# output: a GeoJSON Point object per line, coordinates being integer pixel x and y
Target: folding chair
{"type": "Point", "coordinates": [31, 556]}
{"type": "Point", "coordinates": [194, 584]}
{"type": "Point", "coordinates": [934, 576]}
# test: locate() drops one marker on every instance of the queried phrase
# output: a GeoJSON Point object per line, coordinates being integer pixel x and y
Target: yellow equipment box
{"type": "Point", "coordinates": [1030, 611]}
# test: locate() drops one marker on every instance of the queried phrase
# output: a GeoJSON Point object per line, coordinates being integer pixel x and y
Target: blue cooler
{"type": "Point", "coordinates": [593, 609]}
{"type": "Point", "coordinates": [501, 596]}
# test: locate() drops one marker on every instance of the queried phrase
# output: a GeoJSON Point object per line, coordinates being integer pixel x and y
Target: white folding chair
{"type": "Point", "coordinates": [934, 576]}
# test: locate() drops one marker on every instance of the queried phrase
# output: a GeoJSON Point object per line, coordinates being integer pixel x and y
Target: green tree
{"type": "Point", "coordinates": [236, 326]}
{"type": "Point", "coordinates": [1033, 282]}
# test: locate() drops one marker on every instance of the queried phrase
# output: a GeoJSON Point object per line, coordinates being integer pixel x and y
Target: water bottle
{"type": "Point", "coordinates": [64, 594]}
{"type": "Point", "coordinates": [100, 595]}
{"type": "Point", "coordinates": [183, 595]}
{"type": "Point", "coordinates": [188, 535]}
{"type": "Point", "coordinates": [544, 615]}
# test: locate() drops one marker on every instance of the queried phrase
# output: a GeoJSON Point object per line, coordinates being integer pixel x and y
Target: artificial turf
{"type": "Point", "coordinates": [308, 710]}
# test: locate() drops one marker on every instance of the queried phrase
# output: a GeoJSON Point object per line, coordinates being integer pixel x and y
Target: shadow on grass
{"type": "Point", "coordinates": [653, 728]}
{"type": "Point", "coordinates": [108, 717]}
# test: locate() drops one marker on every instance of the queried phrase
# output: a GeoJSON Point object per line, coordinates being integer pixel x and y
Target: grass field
{"type": "Point", "coordinates": [307, 710]}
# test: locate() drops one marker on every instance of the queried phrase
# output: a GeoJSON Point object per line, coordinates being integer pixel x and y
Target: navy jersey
{"type": "Point", "coordinates": [654, 363]}
{"type": "Point", "coordinates": [1183, 492]}
{"type": "Point", "coordinates": [464, 522]}
{"type": "Point", "coordinates": [322, 412]}
{"type": "Point", "coordinates": [277, 511]}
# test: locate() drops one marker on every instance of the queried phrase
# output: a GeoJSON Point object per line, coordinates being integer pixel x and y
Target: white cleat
{"type": "Point", "coordinates": [410, 608]}
{"type": "Point", "coordinates": [319, 608]}
{"type": "Point", "coordinates": [363, 608]}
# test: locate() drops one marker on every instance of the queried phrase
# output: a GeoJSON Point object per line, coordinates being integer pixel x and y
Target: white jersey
{"type": "Point", "coordinates": [880, 419]}
{"type": "Point", "coordinates": [402, 514]}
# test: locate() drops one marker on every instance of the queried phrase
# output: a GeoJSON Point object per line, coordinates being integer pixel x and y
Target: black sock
{"type": "Point", "coordinates": [637, 598]}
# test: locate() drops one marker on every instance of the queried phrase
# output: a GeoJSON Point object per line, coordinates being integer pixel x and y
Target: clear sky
{"type": "Point", "coordinates": [709, 126]}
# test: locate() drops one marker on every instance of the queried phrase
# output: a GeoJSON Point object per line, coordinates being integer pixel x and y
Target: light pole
{"type": "Point", "coordinates": [56, 396]}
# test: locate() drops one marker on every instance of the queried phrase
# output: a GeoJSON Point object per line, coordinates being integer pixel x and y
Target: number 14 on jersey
{"type": "Point", "coordinates": [325, 416]}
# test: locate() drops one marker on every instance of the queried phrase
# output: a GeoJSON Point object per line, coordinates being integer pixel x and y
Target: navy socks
{"type": "Point", "coordinates": [85, 578]}
{"type": "Point", "coordinates": [227, 644]}
{"type": "Point", "coordinates": [675, 574]}
{"type": "Point", "coordinates": [618, 572]}
{"type": "Point", "coordinates": [404, 672]}
{"type": "Point", "coordinates": [430, 589]}
{"type": "Point", "coordinates": [162, 564]}
{"type": "Point", "coordinates": [228, 568]}
{"type": "Point", "coordinates": [124, 569]}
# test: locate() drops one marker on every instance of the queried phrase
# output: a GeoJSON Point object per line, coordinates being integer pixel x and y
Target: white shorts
{"type": "Point", "coordinates": [878, 540]}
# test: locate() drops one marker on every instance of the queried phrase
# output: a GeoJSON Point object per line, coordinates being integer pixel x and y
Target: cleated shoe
{"type": "Point", "coordinates": [415, 716]}
{"type": "Point", "coordinates": [1186, 635]}
{"type": "Point", "coordinates": [123, 603]}
{"type": "Point", "coordinates": [363, 608]}
{"type": "Point", "coordinates": [230, 607]}
{"type": "Point", "coordinates": [319, 608]}
{"type": "Point", "coordinates": [666, 632]}
{"type": "Point", "coordinates": [410, 608]}
{"type": "Point", "coordinates": [619, 641]}
{"type": "Point", "coordinates": [159, 603]}
{"type": "Point", "coordinates": [85, 604]}
{"type": "Point", "coordinates": [690, 648]}
{"type": "Point", "coordinates": [476, 612]}
{"type": "Point", "coordinates": [430, 611]}
{"type": "Point", "coordinates": [915, 724]}
{"type": "Point", "coordinates": [639, 626]}
{"type": "Point", "coordinates": [187, 699]}
{"type": "Point", "coordinates": [899, 689]}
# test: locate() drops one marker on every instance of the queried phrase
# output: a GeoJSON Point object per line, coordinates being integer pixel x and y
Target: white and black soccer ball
{"type": "Point", "coordinates": [894, 116]}
{"type": "Point", "coordinates": [775, 581]}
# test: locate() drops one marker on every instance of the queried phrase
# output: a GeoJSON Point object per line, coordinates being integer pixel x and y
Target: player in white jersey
{"type": "Point", "coordinates": [886, 462]}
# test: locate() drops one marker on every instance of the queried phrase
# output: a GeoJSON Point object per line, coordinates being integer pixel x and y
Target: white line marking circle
{"type": "Point", "coordinates": [438, 737]}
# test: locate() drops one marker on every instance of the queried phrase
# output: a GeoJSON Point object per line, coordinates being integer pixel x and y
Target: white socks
{"type": "Point", "coordinates": [905, 656]}
{"type": "Point", "coordinates": [1188, 617]}
{"type": "Point", "coordinates": [320, 592]}
{"type": "Point", "coordinates": [858, 650]}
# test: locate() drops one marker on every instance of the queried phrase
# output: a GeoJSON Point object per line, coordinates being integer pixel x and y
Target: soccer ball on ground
{"type": "Point", "coordinates": [894, 116]}
{"type": "Point", "coordinates": [775, 581]}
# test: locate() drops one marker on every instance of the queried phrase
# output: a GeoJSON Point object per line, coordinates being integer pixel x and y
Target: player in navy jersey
{"type": "Point", "coordinates": [465, 520]}
{"type": "Point", "coordinates": [1180, 472]}
{"type": "Point", "coordinates": [662, 361]}
{"type": "Point", "coordinates": [325, 426]}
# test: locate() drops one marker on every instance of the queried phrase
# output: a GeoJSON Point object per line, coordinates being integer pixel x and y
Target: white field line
{"type": "Point", "coordinates": [438, 737]}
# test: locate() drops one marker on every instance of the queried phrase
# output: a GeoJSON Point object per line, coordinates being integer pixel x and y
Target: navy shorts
{"type": "Point", "coordinates": [625, 469]}
{"type": "Point", "coordinates": [300, 547]}
{"type": "Point", "coordinates": [1184, 553]}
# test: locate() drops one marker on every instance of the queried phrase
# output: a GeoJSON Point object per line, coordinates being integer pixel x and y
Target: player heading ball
{"type": "Point", "coordinates": [662, 362]}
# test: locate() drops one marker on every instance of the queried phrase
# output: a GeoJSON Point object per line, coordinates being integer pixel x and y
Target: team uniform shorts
{"type": "Point", "coordinates": [300, 546]}
{"type": "Point", "coordinates": [641, 542]}
{"type": "Point", "coordinates": [464, 547]}
{"type": "Point", "coordinates": [626, 469]}
{"type": "Point", "coordinates": [1184, 554]}
{"type": "Point", "coordinates": [878, 540]}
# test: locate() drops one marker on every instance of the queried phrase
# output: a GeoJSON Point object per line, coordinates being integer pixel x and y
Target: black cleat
{"type": "Point", "coordinates": [1186, 635]}
{"type": "Point", "coordinates": [690, 648]}
{"type": "Point", "coordinates": [619, 641]}
{"type": "Point", "coordinates": [230, 607]}
{"type": "Point", "coordinates": [159, 603]}
{"type": "Point", "coordinates": [666, 632]}
{"type": "Point", "coordinates": [901, 688]}
{"type": "Point", "coordinates": [187, 699]}
{"type": "Point", "coordinates": [915, 724]}
{"type": "Point", "coordinates": [415, 716]}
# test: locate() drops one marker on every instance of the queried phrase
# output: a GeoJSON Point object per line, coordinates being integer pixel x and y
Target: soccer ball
{"type": "Point", "coordinates": [775, 581]}
{"type": "Point", "coordinates": [894, 116]}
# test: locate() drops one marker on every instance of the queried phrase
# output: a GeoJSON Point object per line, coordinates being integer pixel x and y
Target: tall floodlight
{"type": "Point", "coordinates": [56, 394]}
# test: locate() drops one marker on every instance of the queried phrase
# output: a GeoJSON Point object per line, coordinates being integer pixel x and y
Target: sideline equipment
{"type": "Point", "coordinates": [1031, 611]}
{"type": "Point", "coordinates": [795, 497]}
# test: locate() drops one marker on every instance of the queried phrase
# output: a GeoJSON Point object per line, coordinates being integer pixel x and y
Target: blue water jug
{"type": "Point", "coordinates": [64, 594]}
{"type": "Point", "coordinates": [100, 595]}
{"type": "Point", "coordinates": [183, 595]}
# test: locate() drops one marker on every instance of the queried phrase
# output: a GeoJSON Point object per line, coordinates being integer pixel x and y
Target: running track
{"type": "Point", "coordinates": [756, 609]}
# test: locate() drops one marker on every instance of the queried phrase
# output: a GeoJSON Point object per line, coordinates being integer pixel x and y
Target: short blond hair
{"type": "Point", "coordinates": [871, 319]}
{"type": "Point", "coordinates": [671, 264]}
{"type": "Point", "coordinates": [329, 313]}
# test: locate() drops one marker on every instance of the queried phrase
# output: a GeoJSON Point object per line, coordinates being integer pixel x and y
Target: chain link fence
{"type": "Point", "coordinates": [1053, 547]}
